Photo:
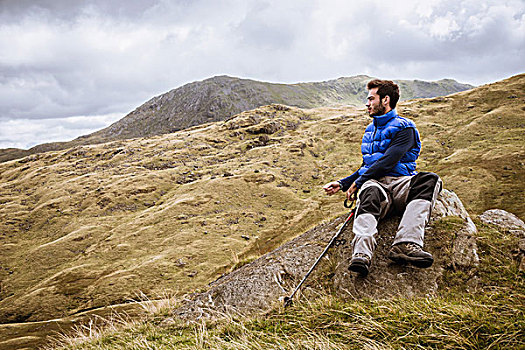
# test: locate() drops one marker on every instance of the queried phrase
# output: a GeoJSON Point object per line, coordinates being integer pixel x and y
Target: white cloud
{"type": "Point", "coordinates": [444, 27]}
{"type": "Point", "coordinates": [62, 58]}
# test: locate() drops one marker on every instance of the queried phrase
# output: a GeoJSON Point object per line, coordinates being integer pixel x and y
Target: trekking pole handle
{"type": "Point", "coordinates": [349, 205]}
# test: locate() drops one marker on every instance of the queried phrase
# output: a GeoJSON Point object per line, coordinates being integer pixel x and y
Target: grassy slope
{"type": "Point", "coordinates": [95, 225]}
{"type": "Point", "coordinates": [468, 314]}
{"type": "Point", "coordinates": [474, 140]}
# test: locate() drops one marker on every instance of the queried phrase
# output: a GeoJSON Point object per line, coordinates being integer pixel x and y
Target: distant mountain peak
{"type": "Point", "coordinates": [221, 97]}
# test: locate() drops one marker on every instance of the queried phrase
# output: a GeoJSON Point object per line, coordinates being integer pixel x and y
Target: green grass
{"type": "Point", "coordinates": [479, 309]}
{"type": "Point", "coordinates": [473, 322]}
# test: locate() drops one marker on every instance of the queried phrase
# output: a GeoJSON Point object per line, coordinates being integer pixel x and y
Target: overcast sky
{"type": "Point", "coordinates": [68, 68]}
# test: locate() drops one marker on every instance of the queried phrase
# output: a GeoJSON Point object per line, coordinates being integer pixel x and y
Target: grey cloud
{"type": "Point", "coordinates": [262, 35]}
{"type": "Point", "coordinates": [61, 58]}
{"type": "Point", "coordinates": [265, 28]}
{"type": "Point", "coordinates": [11, 10]}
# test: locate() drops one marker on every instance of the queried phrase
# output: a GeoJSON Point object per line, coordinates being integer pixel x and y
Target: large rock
{"type": "Point", "coordinates": [511, 223]}
{"type": "Point", "coordinates": [387, 280]}
{"type": "Point", "coordinates": [503, 219]}
{"type": "Point", "coordinates": [464, 248]}
{"type": "Point", "coordinates": [262, 284]}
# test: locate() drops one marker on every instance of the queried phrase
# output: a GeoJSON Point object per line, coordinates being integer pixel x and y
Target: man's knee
{"type": "Point", "coordinates": [370, 200]}
{"type": "Point", "coordinates": [423, 186]}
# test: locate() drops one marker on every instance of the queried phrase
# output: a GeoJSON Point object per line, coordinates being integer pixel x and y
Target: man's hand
{"type": "Point", "coordinates": [332, 187]}
{"type": "Point", "coordinates": [351, 194]}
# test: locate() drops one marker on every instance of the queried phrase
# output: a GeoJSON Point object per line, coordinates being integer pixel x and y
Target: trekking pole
{"type": "Point", "coordinates": [288, 299]}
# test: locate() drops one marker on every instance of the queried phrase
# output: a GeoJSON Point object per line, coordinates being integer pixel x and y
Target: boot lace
{"type": "Point", "coordinates": [413, 247]}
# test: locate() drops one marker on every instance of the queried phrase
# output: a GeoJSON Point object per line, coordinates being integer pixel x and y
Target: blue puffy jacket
{"type": "Point", "coordinates": [378, 136]}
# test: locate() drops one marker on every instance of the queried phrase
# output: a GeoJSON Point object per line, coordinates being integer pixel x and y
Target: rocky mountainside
{"type": "Point", "coordinates": [98, 225]}
{"type": "Point", "coordinates": [221, 97]}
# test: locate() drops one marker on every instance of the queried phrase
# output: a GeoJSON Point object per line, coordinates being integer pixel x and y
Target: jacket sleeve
{"type": "Point", "coordinates": [348, 181]}
{"type": "Point", "coordinates": [403, 142]}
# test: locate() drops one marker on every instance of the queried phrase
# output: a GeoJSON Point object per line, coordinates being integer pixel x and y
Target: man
{"type": "Point", "coordinates": [388, 183]}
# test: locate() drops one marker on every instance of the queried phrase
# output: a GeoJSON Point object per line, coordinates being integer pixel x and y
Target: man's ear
{"type": "Point", "coordinates": [386, 101]}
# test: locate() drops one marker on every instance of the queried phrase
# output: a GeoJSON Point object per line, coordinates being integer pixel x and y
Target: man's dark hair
{"type": "Point", "coordinates": [385, 88]}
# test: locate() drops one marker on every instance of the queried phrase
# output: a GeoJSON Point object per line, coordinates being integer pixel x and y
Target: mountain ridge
{"type": "Point", "coordinates": [220, 97]}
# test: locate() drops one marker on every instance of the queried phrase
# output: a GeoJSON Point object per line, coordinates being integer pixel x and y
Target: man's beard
{"type": "Point", "coordinates": [380, 110]}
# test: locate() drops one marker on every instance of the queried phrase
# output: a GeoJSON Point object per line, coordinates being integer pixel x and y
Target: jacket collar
{"type": "Point", "coordinates": [385, 118]}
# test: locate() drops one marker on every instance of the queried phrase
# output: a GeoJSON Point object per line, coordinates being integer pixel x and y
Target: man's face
{"type": "Point", "coordinates": [375, 106]}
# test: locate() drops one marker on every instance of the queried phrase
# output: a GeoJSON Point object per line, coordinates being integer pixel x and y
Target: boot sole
{"type": "Point", "coordinates": [417, 262]}
{"type": "Point", "coordinates": [360, 268]}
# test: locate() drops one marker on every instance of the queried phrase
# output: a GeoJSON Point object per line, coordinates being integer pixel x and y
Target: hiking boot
{"type": "Point", "coordinates": [411, 253]}
{"type": "Point", "coordinates": [360, 263]}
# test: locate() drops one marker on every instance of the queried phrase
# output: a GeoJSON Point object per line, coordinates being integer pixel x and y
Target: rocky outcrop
{"type": "Point", "coordinates": [511, 223]}
{"type": "Point", "coordinates": [503, 219]}
{"type": "Point", "coordinates": [464, 248]}
{"type": "Point", "coordinates": [261, 285]}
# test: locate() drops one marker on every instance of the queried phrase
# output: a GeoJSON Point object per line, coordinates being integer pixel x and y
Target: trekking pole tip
{"type": "Point", "coordinates": [287, 301]}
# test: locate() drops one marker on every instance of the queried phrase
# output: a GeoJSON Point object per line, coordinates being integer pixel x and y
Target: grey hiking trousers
{"type": "Point", "coordinates": [410, 196]}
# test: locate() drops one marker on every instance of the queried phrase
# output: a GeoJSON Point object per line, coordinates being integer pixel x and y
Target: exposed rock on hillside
{"type": "Point", "coordinates": [502, 219]}
{"type": "Point", "coordinates": [511, 223]}
{"type": "Point", "coordinates": [262, 284]}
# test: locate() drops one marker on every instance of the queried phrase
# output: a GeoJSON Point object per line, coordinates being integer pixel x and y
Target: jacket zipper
{"type": "Point", "coordinates": [374, 137]}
